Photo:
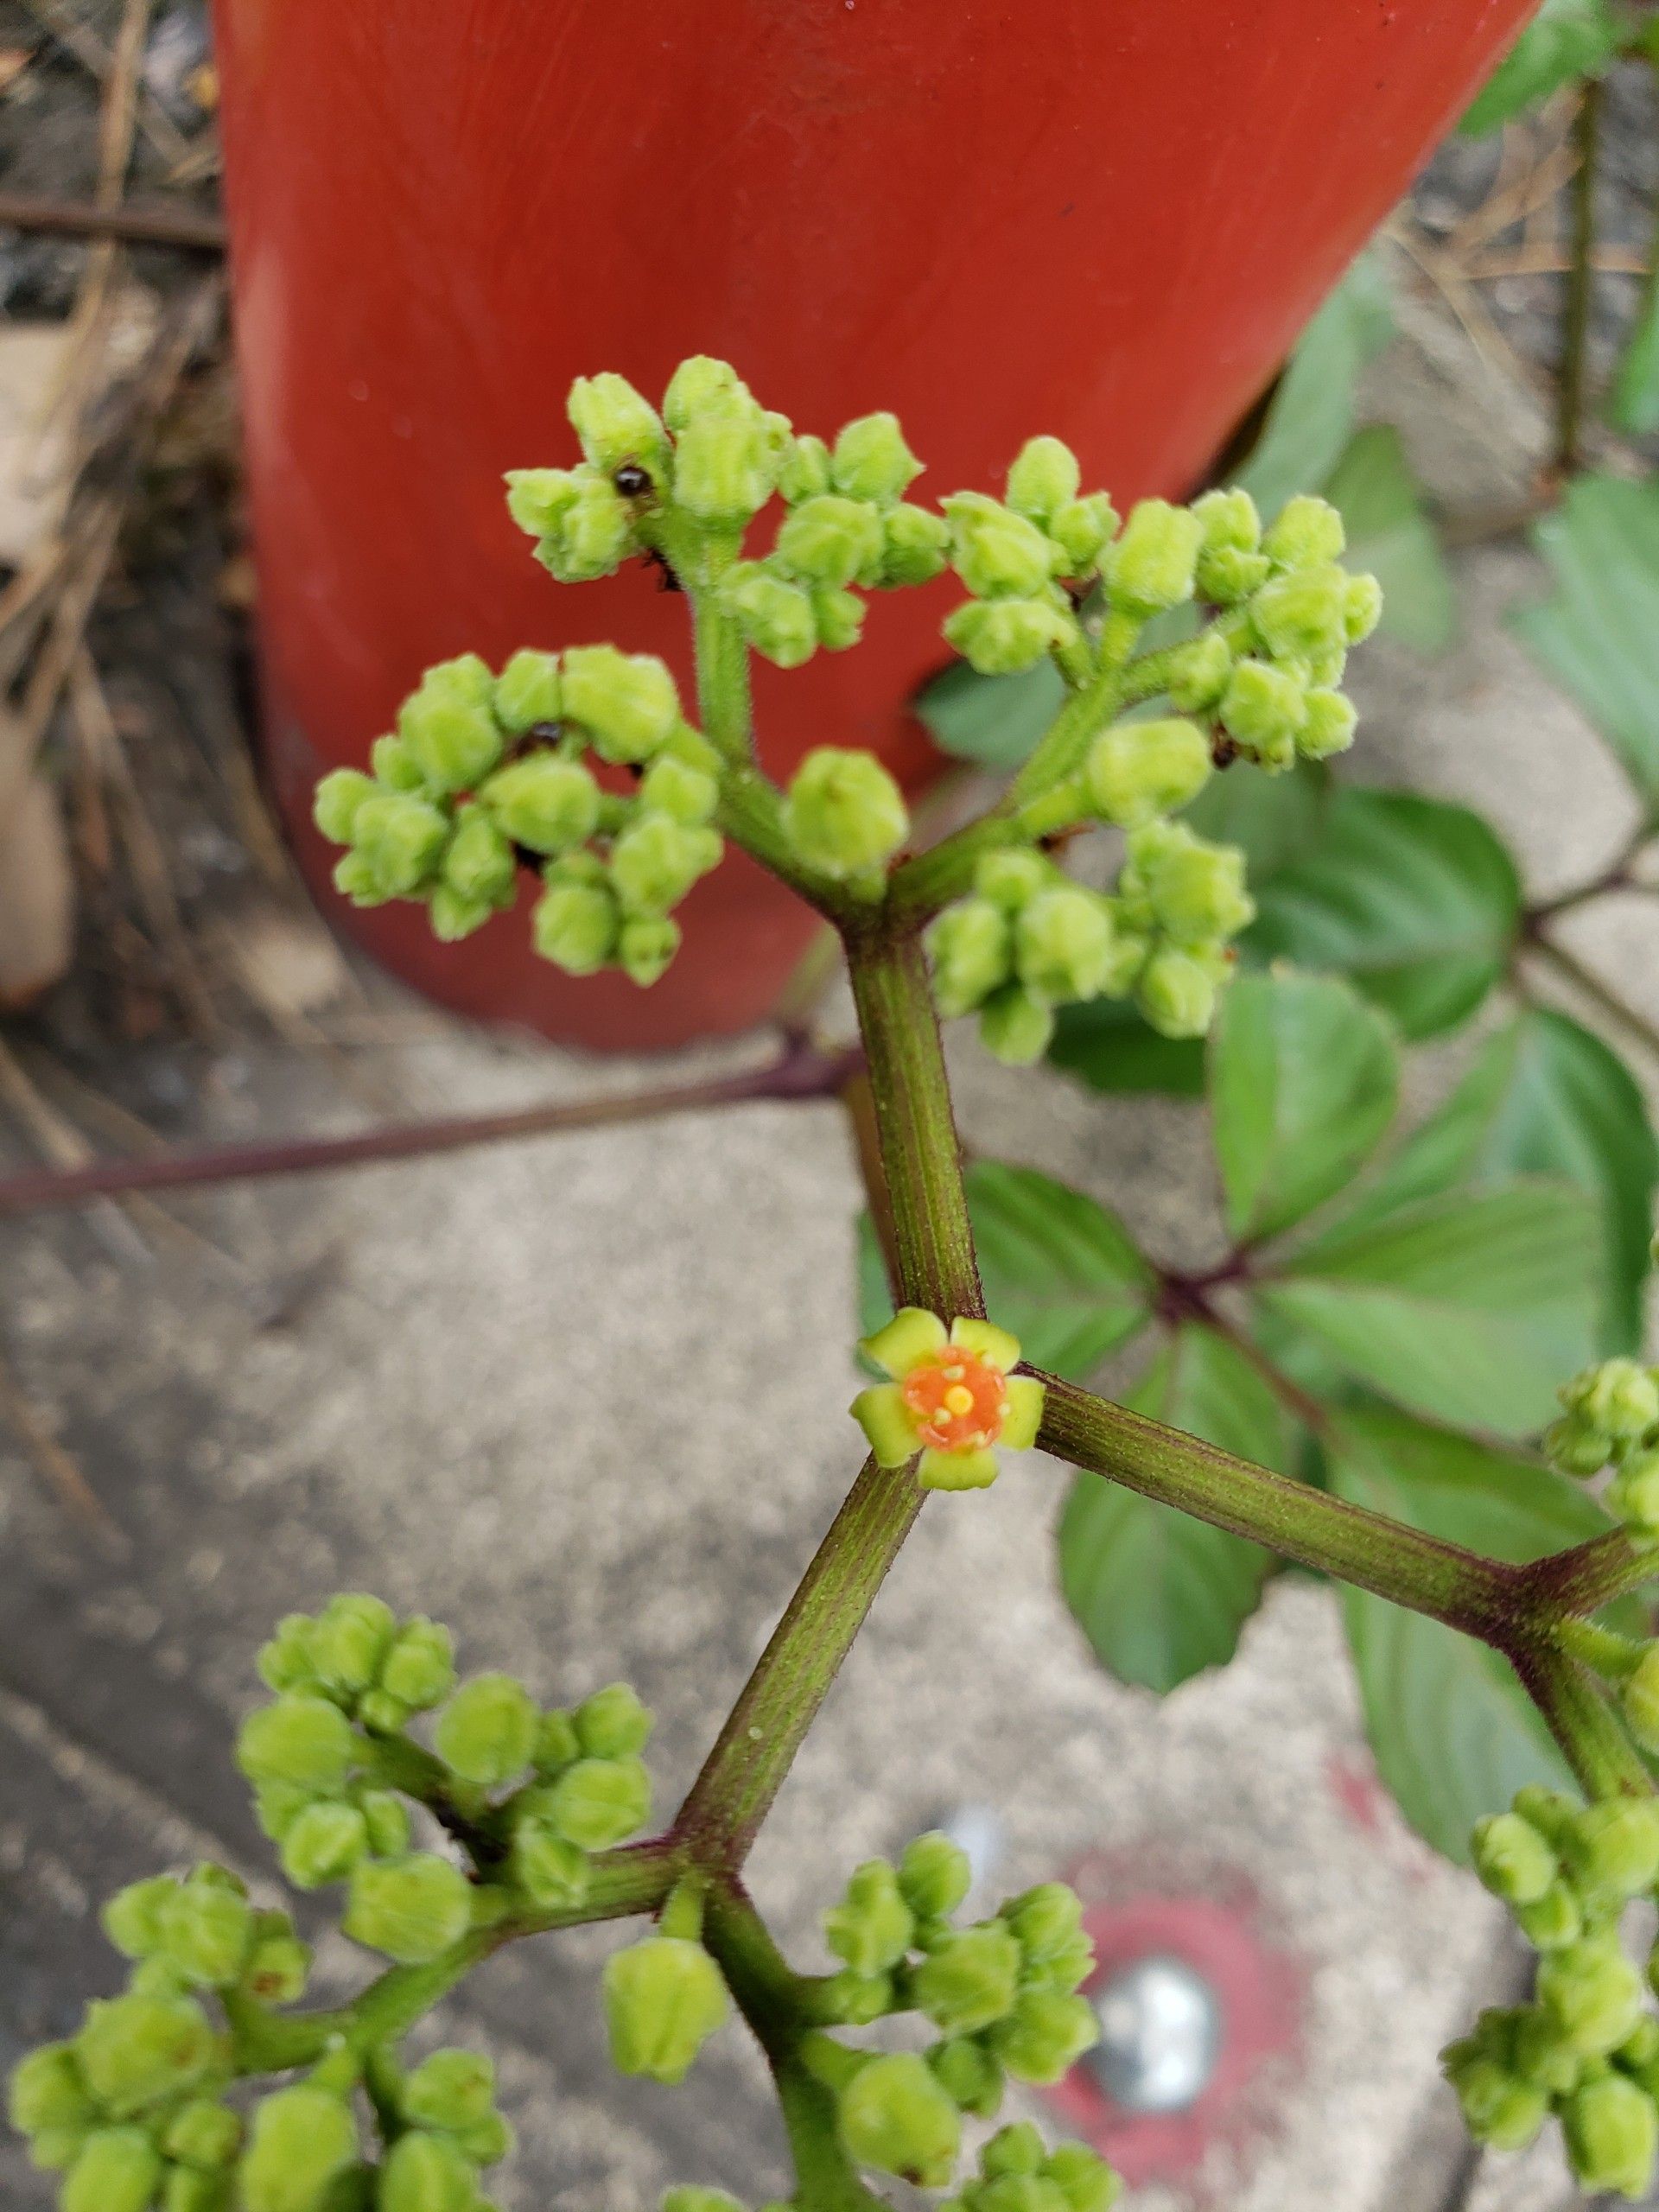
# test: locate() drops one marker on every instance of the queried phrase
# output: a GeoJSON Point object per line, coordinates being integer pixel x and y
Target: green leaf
{"type": "Point", "coordinates": [995, 720]}
{"type": "Point", "coordinates": [1546, 1097]}
{"type": "Point", "coordinates": [1600, 636]}
{"type": "Point", "coordinates": [1158, 1595]}
{"type": "Point", "coordinates": [1272, 818]}
{"type": "Point", "coordinates": [1391, 534]}
{"type": "Point", "coordinates": [1453, 1733]}
{"type": "Point", "coordinates": [1304, 1080]}
{"type": "Point", "coordinates": [1108, 1045]}
{"type": "Point", "coordinates": [1567, 38]}
{"type": "Point", "coordinates": [1633, 405]}
{"type": "Point", "coordinates": [1311, 418]}
{"type": "Point", "coordinates": [1414, 900]}
{"type": "Point", "coordinates": [1469, 1308]}
{"type": "Point", "coordinates": [1058, 1270]}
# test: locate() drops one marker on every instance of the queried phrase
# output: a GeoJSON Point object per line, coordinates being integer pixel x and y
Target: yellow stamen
{"type": "Point", "coordinates": [959, 1398]}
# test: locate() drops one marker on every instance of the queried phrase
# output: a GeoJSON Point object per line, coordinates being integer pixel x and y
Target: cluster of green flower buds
{"type": "Point", "coordinates": [1001, 1995]}
{"type": "Point", "coordinates": [1019, 2173]}
{"type": "Point", "coordinates": [1585, 2049]}
{"type": "Point", "coordinates": [1610, 1416]}
{"type": "Point", "coordinates": [443, 2129]}
{"type": "Point", "coordinates": [1013, 554]}
{"type": "Point", "coordinates": [1029, 938]}
{"type": "Point", "coordinates": [487, 773]}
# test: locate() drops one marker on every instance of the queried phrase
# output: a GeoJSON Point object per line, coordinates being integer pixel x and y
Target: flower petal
{"type": "Point", "coordinates": [956, 1470]}
{"type": "Point", "coordinates": [1025, 1414]}
{"type": "Point", "coordinates": [910, 1336]}
{"type": "Point", "coordinates": [987, 1340]}
{"type": "Point", "coordinates": [885, 1418]}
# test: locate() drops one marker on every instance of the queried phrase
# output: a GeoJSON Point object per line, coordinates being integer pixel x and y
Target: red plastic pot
{"type": "Point", "coordinates": [1099, 217]}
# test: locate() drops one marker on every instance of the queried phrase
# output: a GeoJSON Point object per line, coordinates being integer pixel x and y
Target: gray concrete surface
{"type": "Point", "coordinates": [572, 1396]}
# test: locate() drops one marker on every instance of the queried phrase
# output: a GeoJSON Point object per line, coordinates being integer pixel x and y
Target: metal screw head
{"type": "Point", "coordinates": [1160, 2035]}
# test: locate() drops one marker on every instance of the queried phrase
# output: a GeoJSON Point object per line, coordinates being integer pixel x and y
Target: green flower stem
{"type": "Point", "coordinates": [1481, 1596]}
{"type": "Point", "coordinates": [933, 1259]}
{"type": "Point", "coordinates": [1590, 1575]}
{"type": "Point", "coordinates": [723, 678]}
{"type": "Point", "coordinates": [751, 815]}
{"type": "Point", "coordinates": [1595, 1747]}
{"type": "Point", "coordinates": [1602, 1650]}
{"type": "Point", "coordinates": [773, 2001]}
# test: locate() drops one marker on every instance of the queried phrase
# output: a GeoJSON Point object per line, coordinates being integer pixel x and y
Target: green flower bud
{"type": "Point", "coordinates": [776, 617]}
{"type": "Point", "coordinates": [386, 1821]}
{"type": "Point", "coordinates": [419, 1669]}
{"type": "Point", "coordinates": [1639, 1700]}
{"type": "Point", "coordinates": [1228, 578]}
{"type": "Point", "coordinates": [1012, 876]}
{"type": "Point", "coordinates": [1016, 2149]}
{"type": "Point", "coordinates": [1229, 522]}
{"type": "Point", "coordinates": [479, 866]}
{"type": "Point", "coordinates": [872, 461]}
{"type": "Point", "coordinates": [1137, 770]}
{"type": "Point", "coordinates": [1064, 1969]}
{"type": "Point", "coordinates": [277, 1805]}
{"type": "Point", "coordinates": [839, 618]}
{"type": "Point", "coordinates": [323, 1844]}
{"type": "Point", "coordinates": [1199, 672]}
{"type": "Point", "coordinates": [598, 1803]}
{"type": "Point", "coordinates": [203, 2133]}
{"type": "Point", "coordinates": [355, 880]}
{"type": "Point", "coordinates": [1196, 889]}
{"type": "Point", "coordinates": [539, 499]}
{"type": "Point", "coordinates": [575, 925]}
{"type": "Point", "coordinates": [1633, 1494]}
{"type": "Point", "coordinates": [1612, 2136]}
{"type": "Point", "coordinates": [1082, 529]}
{"type": "Point", "coordinates": [969, 1979]}
{"type": "Point", "coordinates": [453, 917]}
{"type": "Point", "coordinates": [664, 1998]}
{"type": "Point", "coordinates": [1063, 942]}
{"type": "Point", "coordinates": [543, 802]}
{"type": "Point", "coordinates": [452, 2089]}
{"type": "Point", "coordinates": [656, 861]}
{"type": "Point", "coordinates": [830, 541]}
{"type": "Point", "coordinates": [278, 1964]}
{"type": "Point", "coordinates": [614, 422]}
{"type": "Point", "coordinates": [132, 1919]}
{"type": "Point", "coordinates": [453, 737]}
{"type": "Point", "coordinates": [612, 1723]}
{"type": "Point", "coordinates": [1302, 613]}
{"type": "Point", "coordinates": [379, 1712]}
{"type": "Point", "coordinates": [1014, 1027]}
{"type": "Point", "coordinates": [552, 1873]}
{"type": "Point", "coordinates": [915, 546]}
{"type": "Point", "coordinates": [528, 693]}
{"type": "Point", "coordinates": [594, 534]}
{"type": "Point", "coordinates": [284, 1660]}
{"type": "Point", "coordinates": [1046, 1921]}
{"type": "Point", "coordinates": [394, 766]}
{"type": "Point", "coordinates": [487, 1730]}
{"type": "Point", "coordinates": [558, 1745]}
{"type": "Point", "coordinates": [1593, 1992]}
{"type": "Point", "coordinates": [301, 1739]}
{"type": "Point", "coordinates": [1149, 566]}
{"type": "Point", "coordinates": [1000, 637]}
{"type": "Point", "coordinates": [119, 2170]}
{"type": "Point", "coordinates": [626, 702]}
{"type": "Point", "coordinates": [1044, 2035]}
{"type": "Point", "coordinates": [1499, 2109]}
{"type": "Point", "coordinates": [135, 2049]}
{"type": "Point", "coordinates": [805, 470]}
{"type": "Point", "coordinates": [725, 467]}
{"type": "Point", "coordinates": [684, 793]}
{"type": "Point", "coordinates": [206, 1929]}
{"type": "Point", "coordinates": [968, 2075]}
{"type": "Point", "coordinates": [1177, 992]}
{"type": "Point", "coordinates": [855, 1999]}
{"type": "Point", "coordinates": [935, 1875]}
{"type": "Point", "coordinates": [303, 2141]}
{"type": "Point", "coordinates": [350, 1637]}
{"type": "Point", "coordinates": [699, 383]}
{"type": "Point", "coordinates": [1266, 710]}
{"type": "Point", "coordinates": [412, 1909]}
{"type": "Point", "coordinates": [426, 2173]}
{"type": "Point", "coordinates": [1611, 1850]}
{"type": "Point", "coordinates": [1618, 1397]}
{"type": "Point", "coordinates": [47, 2091]}
{"type": "Point", "coordinates": [872, 1928]}
{"type": "Point", "coordinates": [1362, 608]}
{"type": "Point", "coordinates": [1537, 2054]}
{"type": "Point", "coordinates": [1577, 1446]}
{"type": "Point", "coordinates": [400, 839]}
{"type": "Point", "coordinates": [844, 813]}
{"type": "Point", "coordinates": [645, 947]}
{"type": "Point", "coordinates": [1555, 1921]}
{"type": "Point", "coordinates": [1307, 534]}
{"type": "Point", "coordinates": [895, 2115]}
{"type": "Point", "coordinates": [338, 798]}
{"type": "Point", "coordinates": [1044, 477]}
{"type": "Point", "coordinates": [1082, 2176]}
{"type": "Point", "coordinates": [998, 554]}
{"type": "Point", "coordinates": [1329, 727]}
{"type": "Point", "coordinates": [1512, 1859]}
{"type": "Point", "coordinates": [487, 2144]}
{"type": "Point", "coordinates": [971, 951]}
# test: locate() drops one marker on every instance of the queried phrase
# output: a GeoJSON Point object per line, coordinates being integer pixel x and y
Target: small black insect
{"type": "Point", "coordinates": [666, 580]}
{"type": "Point", "coordinates": [631, 479]}
{"type": "Point", "coordinates": [1223, 750]}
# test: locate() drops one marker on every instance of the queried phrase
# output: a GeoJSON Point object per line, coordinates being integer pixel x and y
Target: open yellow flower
{"type": "Point", "coordinates": [952, 1397]}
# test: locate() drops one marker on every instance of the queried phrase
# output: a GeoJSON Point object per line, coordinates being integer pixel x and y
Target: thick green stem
{"type": "Point", "coordinates": [751, 815]}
